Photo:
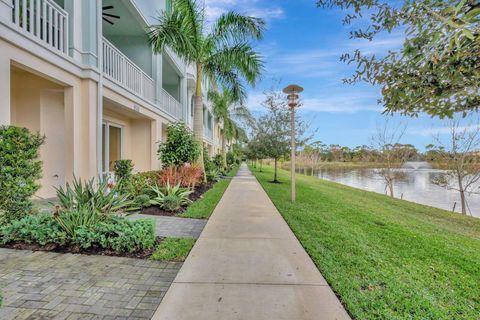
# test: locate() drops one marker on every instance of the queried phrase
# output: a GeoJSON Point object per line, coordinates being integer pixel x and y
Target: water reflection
{"type": "Point", "coordinates": [415, 185]}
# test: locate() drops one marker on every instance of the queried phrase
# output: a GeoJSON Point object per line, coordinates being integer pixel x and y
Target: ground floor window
{"type": "Point", "coordinates": [112, 144]}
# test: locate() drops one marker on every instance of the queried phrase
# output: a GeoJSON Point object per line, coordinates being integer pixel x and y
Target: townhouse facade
{"type": "Point", "coordinates": [82, 73]}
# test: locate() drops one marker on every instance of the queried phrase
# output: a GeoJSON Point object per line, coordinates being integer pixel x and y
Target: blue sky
{"type": "Point", "coordinates": [303, 45]}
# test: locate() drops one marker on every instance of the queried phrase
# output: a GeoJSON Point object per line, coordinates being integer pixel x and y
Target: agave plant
{"type": "Point", "coordinates": [93, 197]}
{"type": "Point", "coordinates": [170, 198]}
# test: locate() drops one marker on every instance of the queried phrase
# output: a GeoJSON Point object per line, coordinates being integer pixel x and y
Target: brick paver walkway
{"type": "Point", "coordinates": [174, 226]}
{"type": "Point", "coordinates": [44, 285]}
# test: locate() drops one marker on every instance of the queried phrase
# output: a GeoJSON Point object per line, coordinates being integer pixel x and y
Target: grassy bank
{"type": "Point", "coordinates": [385, 258]}
{"type": "Point", "coordinates": [173, 249]}
{"type": "Point", "coordinates": [203, 208]}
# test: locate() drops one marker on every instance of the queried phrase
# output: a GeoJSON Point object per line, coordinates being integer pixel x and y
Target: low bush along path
{"type": "Point", "coordinates": [385, 258]}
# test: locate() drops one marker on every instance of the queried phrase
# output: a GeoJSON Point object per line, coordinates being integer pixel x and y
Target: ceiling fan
{"type": "Point", "coordinates": [108, 17]}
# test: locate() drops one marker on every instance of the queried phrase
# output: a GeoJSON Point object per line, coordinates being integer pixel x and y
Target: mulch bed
{"type": "Point", "coordinates": [77, 250]}
{"type": "Point", "coordinates": [194, 196]}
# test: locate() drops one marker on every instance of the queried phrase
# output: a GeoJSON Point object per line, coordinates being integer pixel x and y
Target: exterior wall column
{"type": "Point", "coordinates": [157, 76]}
{"type": "Point", "coordinates": [83, 30]}
{"type": "Point", "coordinates": [156, 137]}
{"type": "Point", "coordinates": [5, 92]}
{"type": "Point", "coordinates": [184, 98]}
{"type": "Point", "coordinates": [81, 130]}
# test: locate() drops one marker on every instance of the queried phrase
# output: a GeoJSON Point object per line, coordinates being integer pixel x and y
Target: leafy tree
{"type": "Point", "coordinates": [437, 70]}
{"type": "Point", "coordinates": [20, 168]}
{"type": "Point", "coordinates": [272, 130]}
{"type": "Point", "coordinates": [222, 52]}
{"type": "Point", "coordinates": [181, 146]}
{"type": "Point", "coordinates": [230, 111]}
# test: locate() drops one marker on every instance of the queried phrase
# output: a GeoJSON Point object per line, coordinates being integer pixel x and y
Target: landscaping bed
{"type": "Point", "coordinates": [197, 194]}
{"type": "Point", "coordinates": [385, 258]}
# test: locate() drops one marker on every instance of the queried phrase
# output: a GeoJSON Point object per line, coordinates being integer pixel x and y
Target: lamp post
{"type": "Point", "coordinates": [292, 92]}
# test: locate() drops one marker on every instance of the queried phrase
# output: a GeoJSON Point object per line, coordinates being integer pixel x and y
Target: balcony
{"type": "Point", "coordinates": [45, 20]}
{"type": "Point", "coordinates": [120, 69]}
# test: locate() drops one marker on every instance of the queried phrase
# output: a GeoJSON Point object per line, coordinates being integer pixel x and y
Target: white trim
{"type": "Point", "coordinates": [106, 146]}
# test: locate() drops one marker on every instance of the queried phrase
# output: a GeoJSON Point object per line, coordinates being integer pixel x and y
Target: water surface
{"type": "Point", "coordinates": [416, 185]}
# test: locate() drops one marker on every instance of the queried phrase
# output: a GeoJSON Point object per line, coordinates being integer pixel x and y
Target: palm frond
{"type": "Point", "coordinates": [232, 26]}
{"type": "Point", "coordinates": [180, 30]}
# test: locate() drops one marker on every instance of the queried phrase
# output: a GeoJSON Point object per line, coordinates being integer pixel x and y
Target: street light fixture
{"type": "Point", "coordinates": [292, 92]}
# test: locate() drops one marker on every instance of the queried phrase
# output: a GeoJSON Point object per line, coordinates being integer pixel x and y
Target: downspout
{"type": "Point", "coordinates": [100, 87]}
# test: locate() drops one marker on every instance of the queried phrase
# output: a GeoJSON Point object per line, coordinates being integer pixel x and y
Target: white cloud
{"type": "Point", "coordinates": [435, 131]}
{"type": "Point", "coordinates": [255, 8]}
{"type": "Point", "coordinates": [345, 103]}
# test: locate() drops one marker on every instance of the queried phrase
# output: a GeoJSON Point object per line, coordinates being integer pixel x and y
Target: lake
{"type": "Point", "coordinates": [416, 185]}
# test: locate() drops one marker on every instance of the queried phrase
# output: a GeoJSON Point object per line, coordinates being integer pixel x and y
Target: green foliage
{"type": "Point", "coordinates": [218, 162]}
{"type": "Point", "coordinates": [231, 159]}
{"type": "Point", "coordinates": [123, 169]}
{"type": "Point", "coordinates": [19, 170]}
{"type": "Point", "coordinates": [117, 234]}
{"type": "Point", "coordinates": [221, 50]}
{"type": "Point", "coordinates": [71, 221]}
{"type": "Point", "coordinates": [92, 197]}
{"type": "Point", "coordinates": [123, 174]}
{"type": "Point", "coordinates": [173, 249]}
{"type": "Point", "coordinates": [77, 228]}
{"type": "Point", "coordinates": [170, 198]}
{"type": "Point", "coordinates": [38, 228]}
{"type": "Point", "coordinates": [181, 146]}
{"type": "Point", "coordinates": [385, 258]}
{"type": "Point", "coordinates": [436, 70]}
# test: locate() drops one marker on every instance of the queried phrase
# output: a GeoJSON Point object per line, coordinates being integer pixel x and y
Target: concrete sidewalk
{"type": "Point", "coordinates": [248, 264]}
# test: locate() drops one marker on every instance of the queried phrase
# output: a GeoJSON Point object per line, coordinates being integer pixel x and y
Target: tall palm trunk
{"type": "Point", "coordinates": [198, 117]}
{"type": "Point", "coordinates": [224, 154]}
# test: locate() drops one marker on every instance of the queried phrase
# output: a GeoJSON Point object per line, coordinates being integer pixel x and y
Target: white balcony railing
{"type": "Point", "coordinates": [44, 19]}
{"type": "Point", "coordinates": [124, 72]}
{"type": "Point", "coordinates": [171, 105]}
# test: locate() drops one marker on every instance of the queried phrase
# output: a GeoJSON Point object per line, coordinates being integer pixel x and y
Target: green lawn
{"type": "Point", "coordinates": [385, 258]}
{"type": "Point", "coordinates": [203, 208]}
{"type": "Point", "coordinates": [173, 249]}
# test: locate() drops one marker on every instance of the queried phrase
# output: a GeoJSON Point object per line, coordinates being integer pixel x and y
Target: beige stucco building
{"type": "Point", "coordinates": [90, 83]}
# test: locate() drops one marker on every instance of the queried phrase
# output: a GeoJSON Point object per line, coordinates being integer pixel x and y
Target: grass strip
{"type": "Point", "coordinates": [173, 249]}
{"type": "Point", "coordinates": [385, 258]}
{"type": "Point", "coordinates": [203, 208]}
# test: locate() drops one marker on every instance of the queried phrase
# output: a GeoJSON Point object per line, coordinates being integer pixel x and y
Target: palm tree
{"type": "Point", "coordinates": [229, 109]}
{"type": "Point", "coordinates": [221, 51]}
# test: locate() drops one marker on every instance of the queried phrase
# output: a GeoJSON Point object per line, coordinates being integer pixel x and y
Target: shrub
{"type": "Point", "coordinates": [38, 228]}
{"type": "Point", "coordinates": [112, 233]}
{"type": "Point", "coordinates": [214, 174]}
{"type": "Point", "coordinates": [20, 169]}
{"type": "Point", "coordinates": [190, 175]}
{"type": "Point", "coordinates": [218, 161]}
{"type": "Point", "coordinates": [187, 176]}
{"type": "Point", "coordinates": [181, 146]}
{"type": "Point", "coordinates": [231, 158]}
{"type": "Point", "coordinates": [97, 199]}
{"type": "Point", "coordinates": [71, 221]}
{"type": "Point", "coordinates": [144, 180]}
{"type": "Point", "coordinates": [170, 198]}
{"type": "Point", "coordinates": [123, 174]}
{"type": "Point", "coordinates": [169, 176]}
{"type": "Point", "coordinates": [117, 234]}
